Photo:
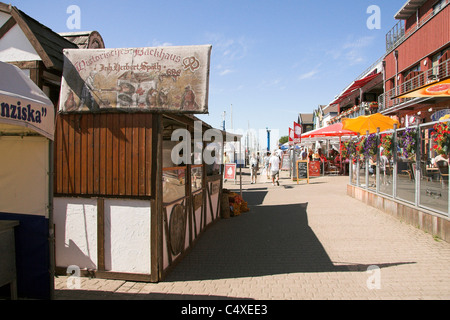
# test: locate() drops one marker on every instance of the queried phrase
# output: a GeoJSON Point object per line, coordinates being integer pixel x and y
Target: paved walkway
{"type": "Point", "coordinates": [299, 241]}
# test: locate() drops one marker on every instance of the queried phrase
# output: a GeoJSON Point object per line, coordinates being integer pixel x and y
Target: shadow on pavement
{"type": "Point", "coordinates": [268, 240]}
{"type": "Point", "coordinates": [106, 295]}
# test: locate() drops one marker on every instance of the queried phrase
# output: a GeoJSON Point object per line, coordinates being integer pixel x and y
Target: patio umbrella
{"type": "Point", "coordinates": [369, 123]}
{"type": "Point", "coordinates": [335, 130]}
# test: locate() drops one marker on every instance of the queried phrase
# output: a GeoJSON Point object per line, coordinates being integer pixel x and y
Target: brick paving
{"type": "Point", "coordinates": [298, 242]}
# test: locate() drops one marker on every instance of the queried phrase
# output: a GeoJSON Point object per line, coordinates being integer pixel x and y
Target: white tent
{"type": "Point", "coordinates": [26, 148]}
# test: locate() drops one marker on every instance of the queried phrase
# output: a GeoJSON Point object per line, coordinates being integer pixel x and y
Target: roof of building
{"type": "Point", "coordinates": [85, 39]}
{"type": "Point", "coordinates": [47, 43]}
{"type": "Point", "coordinates": [408, 9]}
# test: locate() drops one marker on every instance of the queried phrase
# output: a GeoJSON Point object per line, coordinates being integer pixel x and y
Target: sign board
{"type": "Point", "coordinates": [302, 168]}
{"type": "Point", "coordinates": [161, 79]}
{"type": "Point", "coordinates": [314, 168]}
{"type": "Point", "coordinates": [439, 114]}
{"type": "Point", "coordinates": [230, 171]}
{"type": "Point", "coordinates": [286, 162]}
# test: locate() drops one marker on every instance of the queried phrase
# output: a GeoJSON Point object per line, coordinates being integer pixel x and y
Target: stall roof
{"type": "Point", "coordinates": [47, 43]}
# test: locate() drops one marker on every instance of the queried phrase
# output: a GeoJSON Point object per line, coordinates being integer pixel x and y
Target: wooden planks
{"type": "Point", "coordinates": [104, 154]}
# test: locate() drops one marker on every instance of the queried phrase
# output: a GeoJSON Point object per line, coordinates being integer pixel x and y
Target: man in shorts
{"type": "Point", "coordinates": [274, 167]}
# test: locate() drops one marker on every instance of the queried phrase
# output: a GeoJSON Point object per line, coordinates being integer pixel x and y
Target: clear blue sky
{"type": "Point", "coordinates": [271, 59]}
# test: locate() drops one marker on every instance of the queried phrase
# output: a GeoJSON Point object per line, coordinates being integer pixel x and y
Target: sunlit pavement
{"type": "Point", "coordinates": [299, 241]}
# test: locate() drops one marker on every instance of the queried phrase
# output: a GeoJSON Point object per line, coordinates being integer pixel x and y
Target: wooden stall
{"type": "Point", "coordinates": [123, 210]}
{"type": "Point", "coordinates": [125, 207]}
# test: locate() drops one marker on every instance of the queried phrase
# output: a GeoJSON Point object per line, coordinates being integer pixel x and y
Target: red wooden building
{"type": "Point", "coordinates": [417, 52]}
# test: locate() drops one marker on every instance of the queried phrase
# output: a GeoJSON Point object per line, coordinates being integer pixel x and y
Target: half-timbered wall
{"type": "Point", "coordinates": [107, 155]}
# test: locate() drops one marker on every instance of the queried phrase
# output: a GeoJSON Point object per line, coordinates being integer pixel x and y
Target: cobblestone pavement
{"type": "Point", "coordinates": [298, 242]}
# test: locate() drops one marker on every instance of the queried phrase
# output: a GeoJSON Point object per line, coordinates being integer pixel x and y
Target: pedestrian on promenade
{"type": "Point", "coordinates": [274, 167]}
{"type": "Point", "coordinates": [254, 167]}
{"type": "Point", "coordinates": [266, 165]}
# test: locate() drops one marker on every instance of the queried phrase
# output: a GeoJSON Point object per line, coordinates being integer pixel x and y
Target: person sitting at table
{"type": "Point", "coordinates": [439, 157]}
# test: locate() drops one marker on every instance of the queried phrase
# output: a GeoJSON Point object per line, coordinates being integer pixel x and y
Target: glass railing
{"type": "Point", "coordinates": [407, 165]}
{"type": "Point", "coordinates": [389, 99]}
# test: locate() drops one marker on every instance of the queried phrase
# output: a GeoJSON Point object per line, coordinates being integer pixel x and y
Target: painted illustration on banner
{"type": "Point", "coordinates": [146, 79]}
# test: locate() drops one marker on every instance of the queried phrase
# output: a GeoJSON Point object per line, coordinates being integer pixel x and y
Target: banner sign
{"type": "Point", "coordinates": [291, 136]}
{"type": "Point", "coordinates": [440, 89]}
{"type": "Point", "coordinates": [297, 133]}
{"type": "Point", "coordinates": [161, 79]}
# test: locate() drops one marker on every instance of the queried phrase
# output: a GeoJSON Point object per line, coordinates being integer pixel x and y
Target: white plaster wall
{"type": "Point", "coordinates": [127, 236]}
{"type": "Point", "coordinates": [14, 46]}
{"type": "Point", "coordinates": [76, 232]}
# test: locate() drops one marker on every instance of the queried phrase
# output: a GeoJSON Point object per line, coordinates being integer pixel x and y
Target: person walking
{"type": "Point", "coordinates": [254, 167]}
{"type": "Point", "coordinates": [274, 167]}
{"type": "Point", "coordinates": [266, 165]}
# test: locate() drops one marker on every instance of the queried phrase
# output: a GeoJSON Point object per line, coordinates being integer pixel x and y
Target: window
{"type": "Point", "coordinates": [438, 6]}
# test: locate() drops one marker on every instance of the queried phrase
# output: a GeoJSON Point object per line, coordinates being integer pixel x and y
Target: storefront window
{"type": "Point", "coordinates": [406, 186]}
{"type": "Point", "coordinates": [196, 178]}
{"type": "Point", "coordinates": [174, 184]}
{"type": "Point", "coordinates": [434, 170]}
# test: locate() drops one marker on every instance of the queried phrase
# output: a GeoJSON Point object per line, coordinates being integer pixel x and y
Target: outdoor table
{"type": "Point", "coordinates": [8, 260]}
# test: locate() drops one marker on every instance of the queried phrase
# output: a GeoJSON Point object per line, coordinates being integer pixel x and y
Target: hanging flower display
{"type": "Point", "coordinates": [408, 141]}
{"type": "Point", "coordinates": [349, 149]}
{"type": "Point", "coordinates": [387, 144]}
{"type": "Point", "coordinates": [370, 145]}
{"type": "Point", "coordinates": [441, 136]}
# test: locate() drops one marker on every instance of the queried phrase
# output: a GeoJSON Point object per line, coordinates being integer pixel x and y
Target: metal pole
{"type": "Point", "coordinates": [417, 173]}
{"type": "Point", "coordinates": [395, 158]}
{"type": "Point", "coordinates": [378, 162]}
{"type": "Point", "coordinates": [50, 218]}
{"type": "Point", "coordinates": [367, 164]}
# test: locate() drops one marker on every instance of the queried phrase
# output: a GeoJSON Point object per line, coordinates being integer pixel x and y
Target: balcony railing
{"type": "Point", "coordinates": [398, 33]}
{"type": "Point", "coordinates": [388, 100]}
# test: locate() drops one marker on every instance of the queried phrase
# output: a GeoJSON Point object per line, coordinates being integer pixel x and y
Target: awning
{"type": "Point", "coordinates": [23, 106]}
{"type": "Point", "coordinates": [438, 89]}
{"type": "Point", "coordinates": [355, 86]}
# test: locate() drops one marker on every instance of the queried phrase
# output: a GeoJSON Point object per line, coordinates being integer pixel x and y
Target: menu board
{"type": "Point", "coordinates": [302, 169]}
{"type": "Point", "coordinates": [286, 163]}
{"type": "Point", "coordinates": [314, 168]}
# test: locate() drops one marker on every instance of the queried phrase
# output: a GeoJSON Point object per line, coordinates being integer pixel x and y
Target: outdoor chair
{"type": "Point", "coordinates": [443, 170]}
{"type": "Point", "coordinates": [426, 174]}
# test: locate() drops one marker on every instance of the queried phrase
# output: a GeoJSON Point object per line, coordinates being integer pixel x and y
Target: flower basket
{"type": "Point", "coordinates": [408, 142]}
{"type": "Point", "coordinates": [237, 204]}
{"type": "Point", "coordinates": [349, 149]}
{"type": "Point", "coordinates": [441, 136]}
{"type": "Point", "coordinates": [387, 144]}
